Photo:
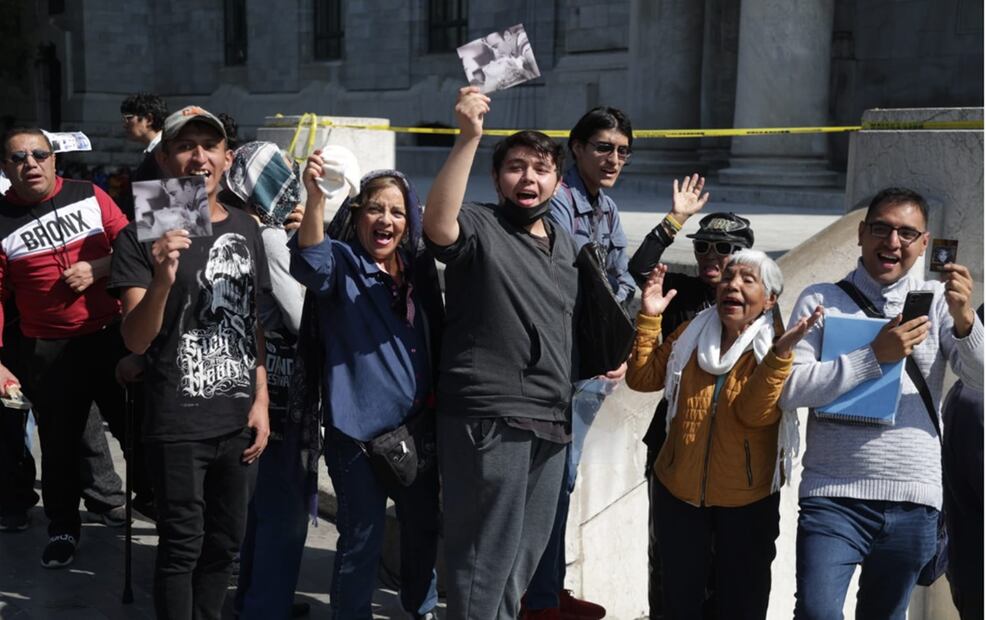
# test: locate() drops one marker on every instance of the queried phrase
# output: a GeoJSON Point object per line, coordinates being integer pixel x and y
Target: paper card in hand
{"type": "Point", "coordinates": [170, 204]}
{"type": "Point", "coordinates": [499, 60]}
{"type": "Point", "coordinates": [943, 251]}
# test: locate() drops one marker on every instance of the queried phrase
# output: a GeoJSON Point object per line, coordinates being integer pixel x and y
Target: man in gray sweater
{"type": "Point", "coordinates": [870, 495]}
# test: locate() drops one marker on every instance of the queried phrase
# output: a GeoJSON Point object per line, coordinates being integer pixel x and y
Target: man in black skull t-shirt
{"type": "Point", "coordinates": [190, 305]}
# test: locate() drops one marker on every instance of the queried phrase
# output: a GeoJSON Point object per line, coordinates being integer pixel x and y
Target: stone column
{"type": "Point", "coordinates": [664, 71]}
{"type": "Point", "coordinates": [720, 46]}
{"type": "Point", "coordinates": [782, 81]}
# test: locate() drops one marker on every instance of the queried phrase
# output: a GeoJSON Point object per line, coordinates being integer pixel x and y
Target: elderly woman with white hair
{"type": "Point", "coordinates": [719, 471]}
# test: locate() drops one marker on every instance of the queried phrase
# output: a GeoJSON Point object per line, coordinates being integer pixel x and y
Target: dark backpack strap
{"type": "Point", "coordinates": [918, 380]}
{"type": "Point", "coordinates": [910, 365]}
{"type": "Point", "coordinates": [865, 304]}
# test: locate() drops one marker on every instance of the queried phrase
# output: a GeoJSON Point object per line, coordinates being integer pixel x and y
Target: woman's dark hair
{"type": "Point", "coordinates": [893, 196]}
{"type": "Point", "coordinates": [147, 105]}
{"type": "Point", "coordinates": [534, 140]}
{"type": "Point", "coordinates": [600, 119]}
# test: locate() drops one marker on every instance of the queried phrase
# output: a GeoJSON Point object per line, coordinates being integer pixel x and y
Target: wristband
{"type": "Point", "coordinates": [673, 223]}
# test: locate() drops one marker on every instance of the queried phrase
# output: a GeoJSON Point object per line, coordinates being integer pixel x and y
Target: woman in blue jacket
{"type": "Point", "coordinates": [379, 310]}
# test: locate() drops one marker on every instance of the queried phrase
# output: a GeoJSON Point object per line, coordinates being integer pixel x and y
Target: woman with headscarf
{"type": "Point", "coordinates": [262, 182]}
{"type": "Point", "coordinates": [379, 311]}
{"type": "Point", "coordinates": [720, 469]}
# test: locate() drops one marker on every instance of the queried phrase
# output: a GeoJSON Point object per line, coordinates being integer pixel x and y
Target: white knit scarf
{"type": "Point", "coordinates": [704, 334]}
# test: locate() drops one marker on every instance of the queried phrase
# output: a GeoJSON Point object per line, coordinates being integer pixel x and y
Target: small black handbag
{"type": "Point", "coordinates": [398, 455]}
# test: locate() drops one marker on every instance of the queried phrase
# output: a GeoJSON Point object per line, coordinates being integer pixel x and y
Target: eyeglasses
{"type": "Point", "coordinates": [605, 148]}
{"type": "Point", "coordinates": [906, 234]}
{"type": "Point", "coordinates": [19, 157]}
{"type": "Point", "coordinates": [722, 248]}
{"type": "Point", "coordinates": [128, 117]}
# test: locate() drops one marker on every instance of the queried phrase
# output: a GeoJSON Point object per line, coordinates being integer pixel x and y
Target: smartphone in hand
{"type": "Point", "coordinates": [917, 303]}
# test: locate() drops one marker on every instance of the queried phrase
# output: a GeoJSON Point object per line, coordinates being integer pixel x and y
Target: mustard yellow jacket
{"type": "Point", "coordinates": [721, 456]}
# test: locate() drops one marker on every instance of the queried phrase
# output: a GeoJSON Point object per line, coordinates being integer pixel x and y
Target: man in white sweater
{"type": "Point", "coordinates": [870, 495]}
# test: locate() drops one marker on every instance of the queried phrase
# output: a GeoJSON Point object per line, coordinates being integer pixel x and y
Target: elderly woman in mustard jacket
{"type": "Point", "coordinates": [719, 470]}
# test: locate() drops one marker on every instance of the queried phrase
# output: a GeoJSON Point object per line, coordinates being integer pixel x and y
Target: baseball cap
{"type": "Point", "coordinates": [724, 227]}
{"type": "Point", "coordinates": [193, 113]}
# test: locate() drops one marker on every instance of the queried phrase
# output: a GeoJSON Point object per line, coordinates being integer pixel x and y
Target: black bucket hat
{"type": "Point", "coordinates": [725, 227]}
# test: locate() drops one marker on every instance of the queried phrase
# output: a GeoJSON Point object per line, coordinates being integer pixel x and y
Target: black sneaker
{"type": "Point", "coordinates": [14, 522]}
{"type": "Point", "coordinates": [300, 610]}
{"type": "Point", "coordinates": [59, 552]}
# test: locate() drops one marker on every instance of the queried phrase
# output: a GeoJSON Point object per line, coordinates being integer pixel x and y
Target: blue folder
{"type": "Point", "coordinates": [874, 401]}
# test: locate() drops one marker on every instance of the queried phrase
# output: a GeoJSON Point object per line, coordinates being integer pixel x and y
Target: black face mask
{"type": "Point", "coordinates": [522, 217]}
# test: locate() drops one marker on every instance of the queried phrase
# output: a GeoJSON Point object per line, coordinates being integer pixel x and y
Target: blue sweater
{"type": "Point", "coordinates": [377, 368]}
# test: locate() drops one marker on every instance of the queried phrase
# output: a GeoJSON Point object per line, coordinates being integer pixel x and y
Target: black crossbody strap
{"type": "Point", "coordinates": [910, 365]}
{"type": "Point", "coordinates": [861, 300]}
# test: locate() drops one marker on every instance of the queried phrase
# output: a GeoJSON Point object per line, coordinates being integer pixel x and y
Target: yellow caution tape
{"type": "Point", "coordinates": [314, 122]}
{"type": "Point", "coordinates": [922, 125]}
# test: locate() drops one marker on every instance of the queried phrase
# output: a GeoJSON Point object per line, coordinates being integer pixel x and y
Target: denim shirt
{"type": "Point", "coordinates": [377, 366]}
{"type": "Point", "coordinates": [571, 209]}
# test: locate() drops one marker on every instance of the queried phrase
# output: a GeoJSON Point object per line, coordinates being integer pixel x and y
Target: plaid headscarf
{"type": "Point", "coordinates": [261, 177]}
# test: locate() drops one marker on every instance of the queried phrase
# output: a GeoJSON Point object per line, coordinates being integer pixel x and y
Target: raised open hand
{"type": "Point", "coordinates": [653, 301]}
{"type": "Point", "coordinates": [687, 198]}
{"type": "Point", "coordinates": [787, 340]}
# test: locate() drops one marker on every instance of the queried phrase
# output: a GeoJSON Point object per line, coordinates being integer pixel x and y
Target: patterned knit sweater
{"type": "Point", "coordinates": [899, 463]}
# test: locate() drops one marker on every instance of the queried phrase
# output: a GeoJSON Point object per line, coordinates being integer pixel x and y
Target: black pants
{"type": "Point", "coordinates": [16, 465]}
{"type": "Point", "coordinates": [64, 377]}
{"type": "Point", "coordinates": [744, 548]}
{"type": "Point", "coordinates": [201, 491]}
{"type": "Point", "coordinates": [962, 463]}
{"type": "Point", "coordinates": [101, 486]}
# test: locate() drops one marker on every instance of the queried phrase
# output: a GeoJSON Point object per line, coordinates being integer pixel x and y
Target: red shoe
{"type": "Point", "coordinates": [576, 609]}
{"type": "Point", "coordinates": [550, 613]}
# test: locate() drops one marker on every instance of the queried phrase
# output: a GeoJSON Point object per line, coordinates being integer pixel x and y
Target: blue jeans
{"type": "Point", "coordinates": [892, 541]}
{"type": "Point", "coordinates": [277, 524]}
{"type": "Point", "coordinates": [361, 521]}
{"type": "Point", "coordinates": [549, 578]}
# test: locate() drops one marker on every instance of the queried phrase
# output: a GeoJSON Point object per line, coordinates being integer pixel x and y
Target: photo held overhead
{"type": "Point", "coordinates": [499, 60]}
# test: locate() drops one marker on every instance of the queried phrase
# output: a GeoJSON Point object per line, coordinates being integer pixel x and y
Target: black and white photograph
{"type": "Point", "coordinates": [169, 204]}
{"type": "Point", "coordinates": [499, 60]}
{"type": "Point", "coordinates": [943, 251]}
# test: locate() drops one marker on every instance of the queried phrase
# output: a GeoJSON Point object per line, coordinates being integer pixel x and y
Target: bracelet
{"type": "Point", "coordinates": [673, 223]}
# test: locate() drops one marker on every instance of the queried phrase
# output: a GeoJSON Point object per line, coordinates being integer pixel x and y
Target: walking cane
{"type": "Point", "coordinates": [128, 442]}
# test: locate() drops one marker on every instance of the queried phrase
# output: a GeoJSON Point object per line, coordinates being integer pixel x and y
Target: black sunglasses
{"type": "Point", "coordinates": [722, 248]}
{"type": "Point", "coordinates": [19, 157]}
{"type": "Point", "coordinates": [605, 148]}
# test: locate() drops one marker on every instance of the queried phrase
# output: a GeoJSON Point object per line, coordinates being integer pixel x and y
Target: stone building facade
{"type": "Point", "coordinates": [670, 63]}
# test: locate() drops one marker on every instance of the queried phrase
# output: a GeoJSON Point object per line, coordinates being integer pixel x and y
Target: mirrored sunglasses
{"type": "Point", "coordinates": [19, 157]}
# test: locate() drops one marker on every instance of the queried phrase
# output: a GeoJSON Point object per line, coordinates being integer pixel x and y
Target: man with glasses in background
{"type": "Point", "coordinates": [870, 495]}
{"type": "Point", "coordinates": [600, 143]}
{"type": "Point", "coordinates": [143, 117]}
{"type": "Point", "coordinates": [55, 243]}
{"type": "Point", "coordinates": [718, 237]}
